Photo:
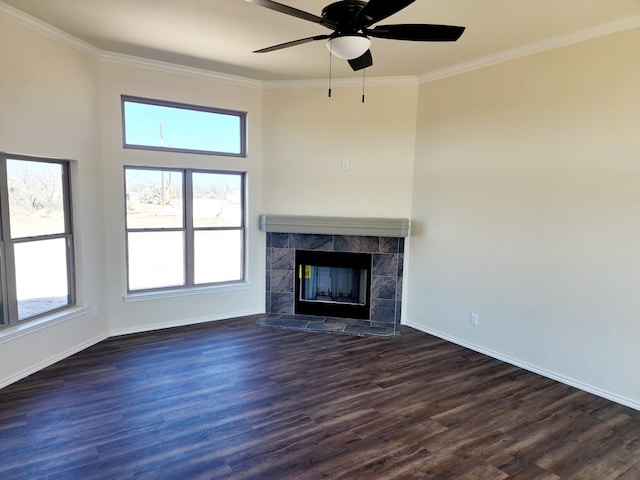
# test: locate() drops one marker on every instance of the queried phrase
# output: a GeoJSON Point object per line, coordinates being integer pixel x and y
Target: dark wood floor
{"type": "Point", "coordinates": [231, 400]}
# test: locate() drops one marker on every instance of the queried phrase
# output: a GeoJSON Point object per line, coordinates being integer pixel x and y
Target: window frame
{"type": "Point", "coordinates": [188, 229]}
{"type": "Point", "coordinates": [7, 243]}
{"type": "Point", "coordinates": [185, 106]}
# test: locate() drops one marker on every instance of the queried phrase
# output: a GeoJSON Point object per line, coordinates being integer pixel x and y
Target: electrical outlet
{"type": "Point", "coordinates": [473, 319]}
{"type": "Point", "coordinates": [95, 311]}
{"type": "Point", "coordinates": [345, 164]}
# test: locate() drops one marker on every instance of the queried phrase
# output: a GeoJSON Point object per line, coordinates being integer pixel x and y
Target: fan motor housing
{"type": "Point", "coordinates": [342, 13]}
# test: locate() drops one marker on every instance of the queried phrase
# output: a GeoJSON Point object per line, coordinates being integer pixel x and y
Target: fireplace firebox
{"type": "Point", "coordinates": [333, 284]}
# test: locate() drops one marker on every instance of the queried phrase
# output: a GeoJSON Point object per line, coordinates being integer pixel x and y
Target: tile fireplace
{"type": "Point", "coordinates": [335, 267]}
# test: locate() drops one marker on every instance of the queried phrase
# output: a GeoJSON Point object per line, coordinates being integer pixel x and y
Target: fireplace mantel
{"type": "Point", "coordinates": [361, 226]}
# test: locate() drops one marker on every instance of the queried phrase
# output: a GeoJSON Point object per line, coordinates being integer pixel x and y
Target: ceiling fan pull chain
{"type": "Point", "coordinates": [330, 55]}
{"type": "Point", "coordinates": [363, 70]}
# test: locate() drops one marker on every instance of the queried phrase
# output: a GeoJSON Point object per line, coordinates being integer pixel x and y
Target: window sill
{"type": "Point", "coordinates": [30, 326]}
{"type": "Point", "coordinates": [184, 292]}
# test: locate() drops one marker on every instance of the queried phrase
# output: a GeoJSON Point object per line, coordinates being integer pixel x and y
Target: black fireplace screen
{"type": "Point", "coordinates": [334, 284]}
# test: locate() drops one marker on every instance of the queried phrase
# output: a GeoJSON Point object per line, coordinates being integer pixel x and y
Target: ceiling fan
{"type": "Point", "coordinates": [351, 20]}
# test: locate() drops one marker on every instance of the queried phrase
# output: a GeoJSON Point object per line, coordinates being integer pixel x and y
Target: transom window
{"type": "Point", "coordinates": [36, 248]}
{"type": "Point", "coordinates": [184, 227]}
{"type": "Point", "coordinates": [160, 125]}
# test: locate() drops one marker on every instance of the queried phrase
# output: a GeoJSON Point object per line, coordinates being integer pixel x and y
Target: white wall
{"type": "Point", "coordinates": [526, 210]}
{"type": "Point", "coordinates": [308, 135]}
{"type": "Point", "coordinates": [49, 107]}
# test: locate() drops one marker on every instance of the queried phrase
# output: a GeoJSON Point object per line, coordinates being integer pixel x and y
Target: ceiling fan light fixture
{"type": "Point", "coordinates": [348, 47]}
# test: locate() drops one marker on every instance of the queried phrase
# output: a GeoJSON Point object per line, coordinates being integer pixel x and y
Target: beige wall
{"type": "Point", "coordinates": [49, 107]}
{"type": "Point", "coordinates": [308, 135]}
{"type": "Point", "coordinates": [526, 210]}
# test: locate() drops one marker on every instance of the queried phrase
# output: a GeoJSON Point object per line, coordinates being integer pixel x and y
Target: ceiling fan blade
{"type": "Point", "coordinates": [376, 10]}
{"type": "Point", "coordinates": [292, 43]}
{"type": "Point", "coordinates": [294, 12]}
{"type": "Point", "coordinates": [417, 32]}
{"type": "Point", "coordinates": [363, 61]}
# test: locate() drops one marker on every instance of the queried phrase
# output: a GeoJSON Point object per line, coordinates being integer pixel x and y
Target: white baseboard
{"type": "Point", "coordinates": [180, 323]}
{"type": "Point", "coordinates": [50, 361]}
{"type": "Point", "coordinates": [192, 321]}
{"type": "Point", "coordinates": [532, 368]}
{"type": "Point", "coordinates": [113, 333]}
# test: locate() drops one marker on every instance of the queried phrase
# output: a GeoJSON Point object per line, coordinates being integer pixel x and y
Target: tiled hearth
{"type": "Point", "coordinates": [344, 326]}
{"type": "Point", "coordinates": [386, 281]}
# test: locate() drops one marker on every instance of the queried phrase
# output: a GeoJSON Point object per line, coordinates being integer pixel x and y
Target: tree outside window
{"type": "Point", "coordinates": [37, 241]}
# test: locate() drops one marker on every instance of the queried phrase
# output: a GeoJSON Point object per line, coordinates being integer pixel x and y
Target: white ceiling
{"type": "Point", "coordinates": [220, 35]}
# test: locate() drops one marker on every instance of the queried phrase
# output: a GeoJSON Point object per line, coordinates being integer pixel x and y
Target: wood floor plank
{"type": "Point", "coordinates": [231, 400]}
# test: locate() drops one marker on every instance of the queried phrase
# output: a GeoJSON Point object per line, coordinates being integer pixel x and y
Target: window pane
{"type": "Point", "coordinates": [156, 259]}
{"type": "Point", "coordinates": [41, 276]}
{"type": "Point", "coordinates": [154, 198]}
{"type": "Point", "coordinates": [218, 256]}
{"type": "Point", "coordinates": [182, 127]}
{"type": "Point", "coordinates": [217, 200]}
{"type": "Point", "coordinates": [36, 198]}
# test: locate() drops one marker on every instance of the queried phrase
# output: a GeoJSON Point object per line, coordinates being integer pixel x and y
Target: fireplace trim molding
{"type": "Point", "coordinates": [359, 226]}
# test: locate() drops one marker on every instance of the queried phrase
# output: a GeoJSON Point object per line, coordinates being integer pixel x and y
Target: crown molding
{"type": "Point", "coordinates": [409, 80]}
{"type": "Point", "coordinates": [54, 33]}
{"type": "Point", "coordinates": [400, 80]}
{"type": "Point", "coordinates": [533, 48]}
{"type": "Point", "coordinates": [50, 31]}
{"type": "Point", "coordinates": [166, 67]}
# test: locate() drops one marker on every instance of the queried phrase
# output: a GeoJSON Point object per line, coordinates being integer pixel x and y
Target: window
{"type": "Point", "coordinates": [159, 125]}
{"type": "Point", "coordinates": [36, 248]}
{"type": "Point", "coordinates": [184, 227]}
